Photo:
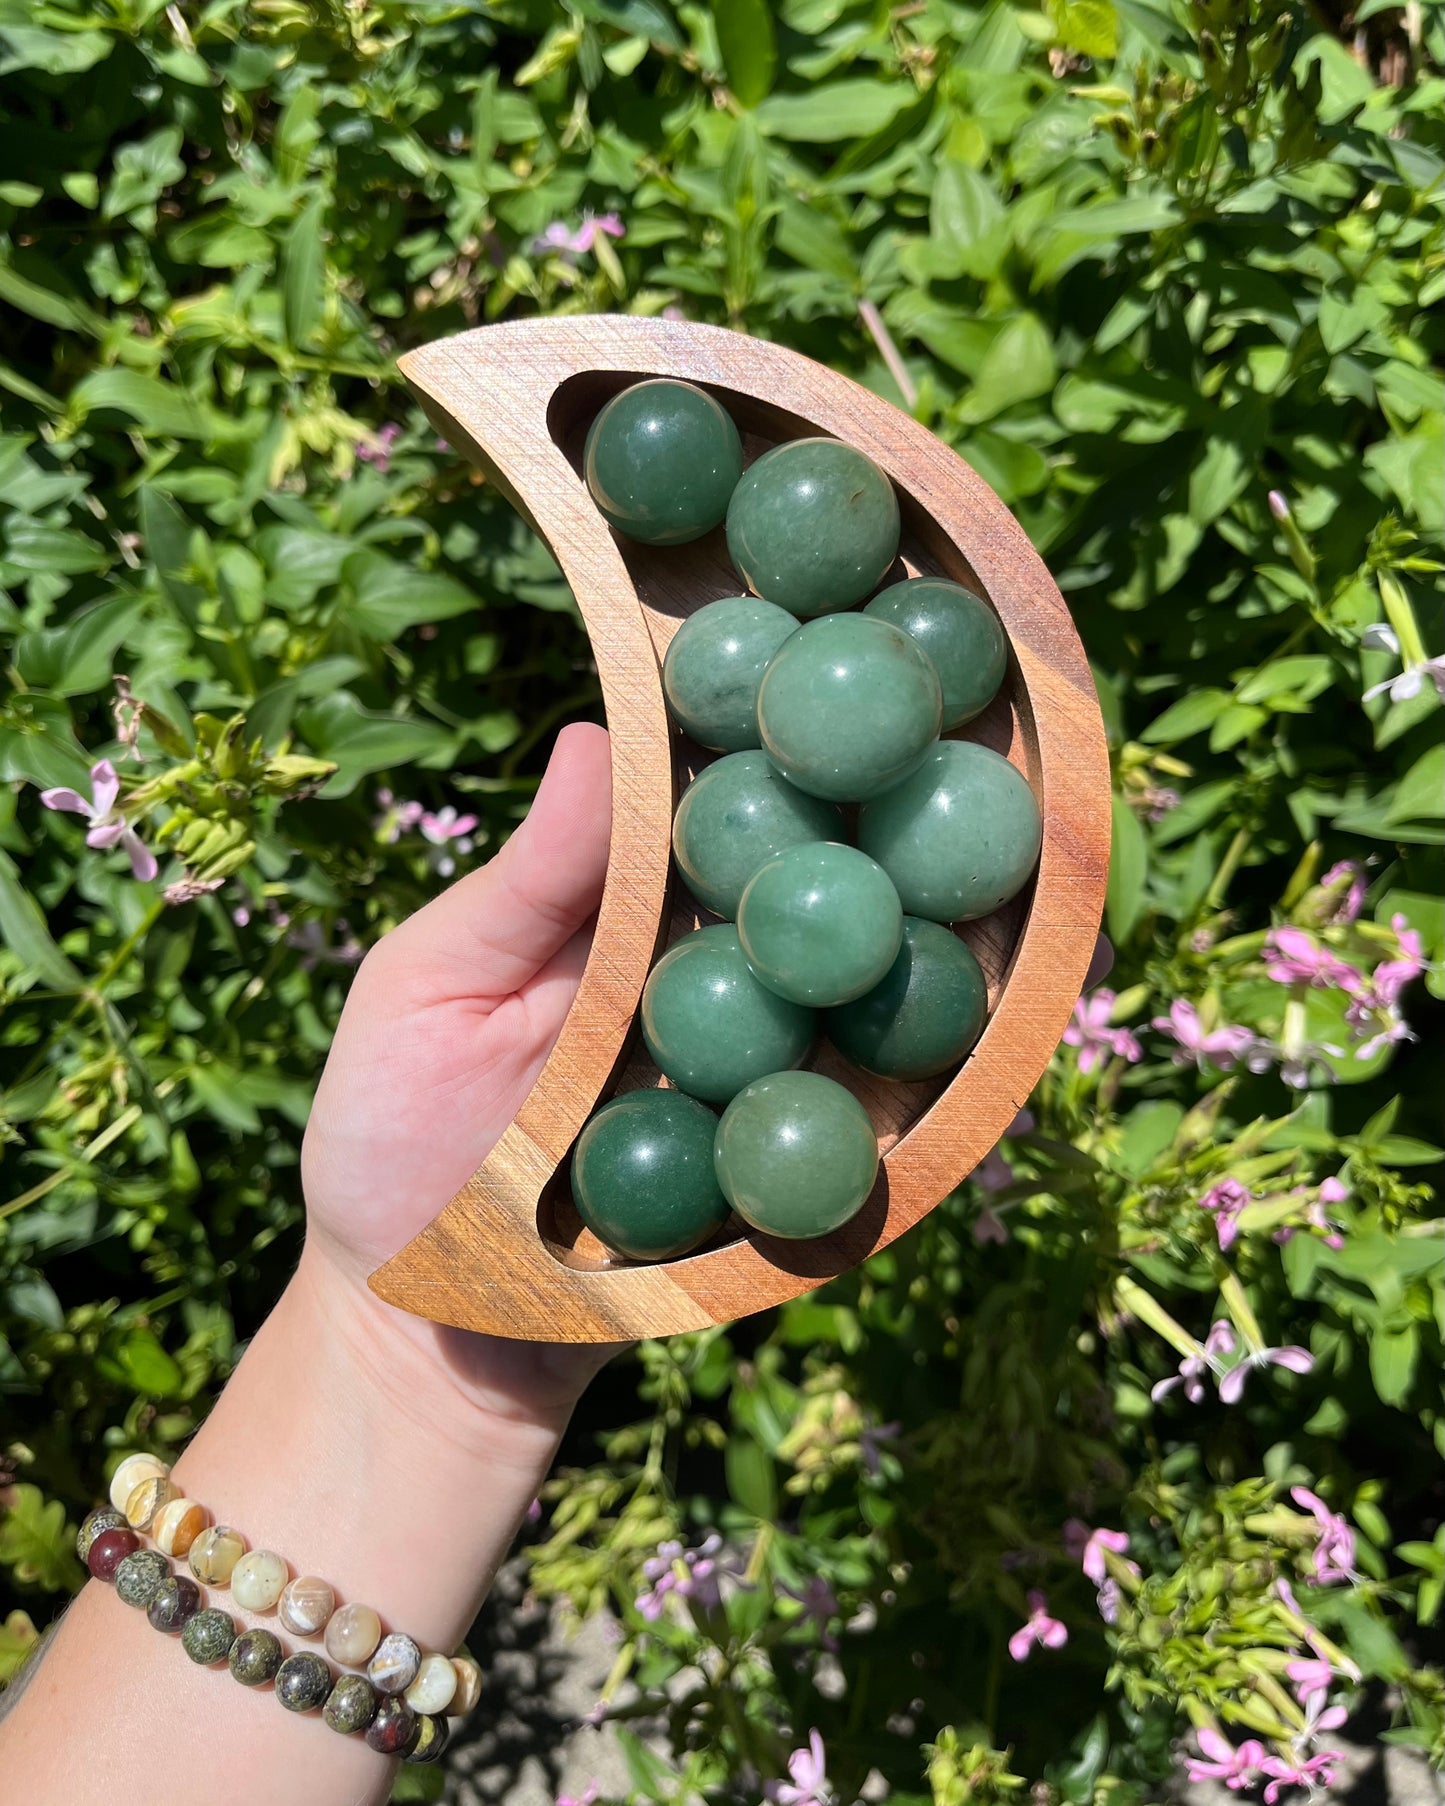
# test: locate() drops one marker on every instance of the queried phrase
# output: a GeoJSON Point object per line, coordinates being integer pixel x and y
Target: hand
{"type": "Point", "coordinates": [447, 1026]}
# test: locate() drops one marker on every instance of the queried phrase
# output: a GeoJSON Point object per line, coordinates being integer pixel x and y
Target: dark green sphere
{"type": "Point", "coordinates": [961, 635]}
{"type": "Point", "coordinates": [642, 1175]}
{"type": "Point", "coordinates": [813, 526]}
{"type": "Point", "coordinates": [141, 1576]}
{"type": "Point", "coordinates": [351, 1704]}
{"type": "Point", "coordinates": [796, 1155]}
{"type": "Point", "coordinates": [208, 1636]}
{"type": "Point", "coordinates": [924, 1016]}
{"type": "Point", "coordinates": [662, 460]}
{"type": "Point", "coordinates": [303, 1682]}
{"type": "Point", "coordinates": [255, 1656]}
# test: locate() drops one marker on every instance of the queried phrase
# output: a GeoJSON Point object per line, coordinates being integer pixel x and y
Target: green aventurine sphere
{"type": "Point", "coordinates": [714, 665]}
{"type": "Point", "coordinates": [959, 837]}
{"type": "Point", "coordinates": [734, 817]}
{"type": "Point", "coordinates": [820, 924]}
{"type": "Point", "coordinates": [642, 1175]}
{"type": "Point", "coordinates": [848, 707]}
{"type": "Point", "coordinates": [961, 635]}
{"type": "Point", "coordinates": [796, 1155]}
{"type": "Point", "coordinates": [662, 460]}
{"type": "Point", "coordinates": [711, 1026]}
{"type": "Point", "coordinates": [813, 526]}
{"type": "Point", "coordinates": [925, 1014]}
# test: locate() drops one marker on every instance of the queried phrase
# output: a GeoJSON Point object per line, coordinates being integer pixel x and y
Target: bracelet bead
{"type": "Point", "coordinates": [129, 1475]}
{"type": "Point", "coordinates": [146, 1499]}
{"type": "Point", "coordinates": [104, 1517]}
{"type": "Point", "coordinates": [177, 1525]}
{"type": "Point", "coordinates": [208, 1636]}
{"type": "Point", "coordinates": [177, 1600]}
{"type": "Point", "coordinates": [351, 1705]}
{"type": "Point", "coordinates": [435, 1685]}
{"type": "Point", "coordinates": [255, 1656]}
{"type": "Point", "coordinates": [469, 1684]}
{"type": "Point", "coordinates": [306, 1605]}
{"type": "Point", "coordinates": [108, 1550]}
{"type": "Point", "coordinates": [258, 1579]}
{"type": "Point", "coordinates": [394, 1666]}
{"type": "Point", "coordinates": [432, 1735]}
{"type": "Point", "coordinates": [138, 1578]}
{"type": "Point", "coordinates": [303, 1682]}
{"type": "Point", "coordinates": [391, 1731]}
{"type": "Point", "coordinates": [214, 1554]}
{"type": "Point", "coordinates": [352, 1634]}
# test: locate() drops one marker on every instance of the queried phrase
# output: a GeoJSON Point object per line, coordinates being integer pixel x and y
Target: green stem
{"type": "Point", "coordinates": [1401, 617]}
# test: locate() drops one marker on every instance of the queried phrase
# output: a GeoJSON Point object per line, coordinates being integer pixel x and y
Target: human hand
{"type": "Point", "coordinates": [449, 1021]}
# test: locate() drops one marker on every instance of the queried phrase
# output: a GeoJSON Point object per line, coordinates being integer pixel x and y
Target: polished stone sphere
{"type": "Point", "coordinates": [796, 1155]}
{"type": "Point", "coordinates": [820, 924]}
{"type": "Point", "coordinates": [813, 526]}
{"type": "Point", "coordinates": [642, 1175]}
{"type": "Point", "coordinates": [848, 707]}
{"type": "Point", "coordinates": [961, 635]}
{"type": "Point", "coordinates": [925, 1013]}
{"type": "Point", "coordinates": [735, 816]}
{"type": "Point", "coordinates": [714, 665]}
{"type": "Point", "coordinates": [711, 1025]}
{"type": "Point", "coordinates": [959, 837]}
{"type": "Point", "coordinates": [662, 460]}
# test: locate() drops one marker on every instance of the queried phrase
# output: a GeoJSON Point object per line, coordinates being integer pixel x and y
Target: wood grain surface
{"type": "Point", "coordinates": [508, 1254]}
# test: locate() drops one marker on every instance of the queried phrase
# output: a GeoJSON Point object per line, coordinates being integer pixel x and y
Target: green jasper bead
{"type": "Point", "coordinates": [642, 1175]}
{"type": "Point", "coordinates": [432, 1736]}
{"type": "Point", "coordinates": [140, 1577]}
{"type": "Point", "coordinates": [961, 635]}
{"type": "Point", "coordinates": [255, 1656]}
{"type": "Point", "coordinates": [303, 1681]}
{"type": "Point", "coordinates": [796, 1155]}
{"type": "Point", "coordinates": [711, 1025]}
{"type": "Point", "coordinates": [849, 707]}
{"type": "Point", "coordinates": [923, 1016]}
{"type": "Point", "coordinates": [813, 526]}
{"type": "Point", "coordinates": [177, 1600]}
{"type": "Point", "coordinates": [208, 1637]}
{"type": "Point", "coordinates": [820, 924]}
{"type": "Point", "coordinates": [351, 1704]}
{"type": "Point", "coordinates": [662, 460]}
{"type": "Point", "coordinates": [959, 837]}
{"type": "Point", "coordinates": [734, 817]}
{"type": "Point", "coordinates": [104, 1517]}
{"type": "Point", "coordinates": [714, 665]}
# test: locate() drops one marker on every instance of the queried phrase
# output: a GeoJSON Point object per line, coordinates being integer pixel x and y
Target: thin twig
{"type": "Point", "coordinates": [883, 339]}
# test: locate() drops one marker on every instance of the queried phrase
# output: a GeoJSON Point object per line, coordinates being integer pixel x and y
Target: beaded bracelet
{"type": "Point", "coordinates": [399, 1705]}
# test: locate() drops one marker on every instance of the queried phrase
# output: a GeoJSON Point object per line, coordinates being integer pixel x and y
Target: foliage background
{"type": "Point", "coordinates": [1142, 263]}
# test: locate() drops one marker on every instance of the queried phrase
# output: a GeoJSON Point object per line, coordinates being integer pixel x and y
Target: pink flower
{"type": "Point", "coordinates": [1309, 1676]}
{"type": "Point", "coordinates": [1237, 1768]}
{"type": "Point", "coordinates": [586, 1798]}
{"type": "Point", "coordinates": [1109, 1597]}
{"type": "Point", "coordinates": [1090, 1032]}
{"type": "Point", "coordinates": [1409, 681]}
{"type": "Point", "coordinates": [689, 1573]}
{"type": "Point", "coordinates": [820, 1607]}
{"type": "Point", "coordinates": [316, 949]}
{"type": "Point", "coordinates": [1292, 957]}
{"type": "Point", "coordinates": [1193, 1367]}
{"type": "Point", "coordinates": [396, 818]}
{"type": "Point", "coordinates": [446, 830]}
{"type": "Point", "coordinates": [1390, 978]}
{"type": "Point", "coordinates": [1158, 800]}
{"type": "Point", "coordinates": [1348, 874]}
{"type": "Point", "coordinates": [1040, 1628]}
{"type": "Point", "coordinates": [1231, 1384]}
{"type": "Point", "coordinates": [1278, 506]}
{"type": "Point", "coordinates": [187, 890]}
{"type": "Point", "coordinates": [993, 1172]}
{"type": "Point", "coordinates": [1223, 1046]}
{"type": "Point", "coordinates": [108, 827]}
{"type": "Point", "coordinates": [377, 450]}
{"type": "Point", "coordinates": [809, 1783]}
{"type": "Point", "coordinates": [1088, 1547]}
{"type": "Point", "coordinates": [1227, 1200]}
{"type": "Point", "coordinates": [1317, 1771]}
{"type": "Point", "coordinates": [1334, 1557]}
{"type": "Point", "coordinates": [871, 1440]}
{"type": "Point", "coordinates": [558, 237]}
{"type": "Point", "coordinates": [988, 1226]}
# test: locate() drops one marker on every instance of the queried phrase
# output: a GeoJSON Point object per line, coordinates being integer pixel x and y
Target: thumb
{"type": "Point", "coordinates": [493, 930]}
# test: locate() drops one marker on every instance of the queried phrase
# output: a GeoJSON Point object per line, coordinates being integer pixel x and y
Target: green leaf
{"type": "Point", "coordinates": [155, 406]}
{"type": "Point", "coordinates": [1393, 1353]}
{"type": "Point", "coordinates": [76, 659]}
{"type": "Point", "coordinates": [360, 741]}
{"type": "Point", "coordinates": [52, 52]}
{"type": "Point", "coordinates": [1420, 795]}
{"type": "Point", "coordinates": [1128, 872]}
{"type": "Point", "coordinates": [967, 226]}
{"type": "Point", "coordinates": [1090, 27]}
{"type": "Point", "coordinates": [141, 1363]}
{"type": "Point", "coordinates": [303, 284]}
{"type": "Point", "coordinates": [834, 111]}
{"type": "Point", "coordinates": [751, 1478]}
{"type": "Point", "coordinates": [37, 1542]}
{"type": "Point", "coordinates": [1018, 365]}
{"type": "Point", "coordinates": [23, 930]}
{"type": "Point", "coordinates": [1187, 717]}
{"type": "Point", "coordinates": [749, 47]}
{"type": "Point", "coordinates": [387, 597]}
{"type": "Point", "coordinates": [1149, 1132]}
{"type": "Point", "coordinates": [43, 302]}
{"type": "Point", "coordinates": [296, 132]}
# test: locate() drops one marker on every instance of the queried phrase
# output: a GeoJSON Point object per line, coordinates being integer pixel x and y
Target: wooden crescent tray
{"type": "Point", "coordinates": [508, 1254]}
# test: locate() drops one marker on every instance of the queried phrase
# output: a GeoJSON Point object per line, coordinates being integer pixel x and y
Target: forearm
{"type": "Point", "coordinates": [348, 1444]}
